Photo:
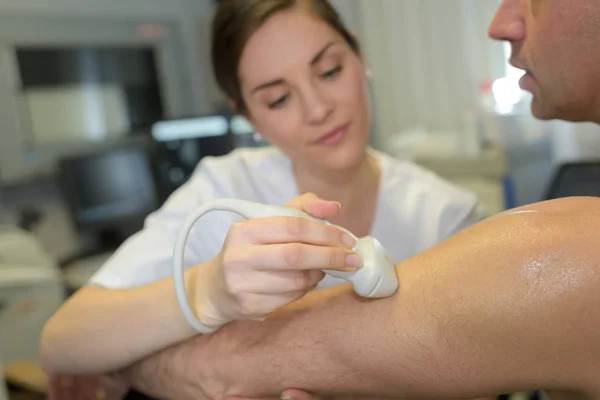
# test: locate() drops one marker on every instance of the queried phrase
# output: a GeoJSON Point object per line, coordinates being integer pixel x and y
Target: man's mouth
{"type": "Point", "coordinates": [527, 81]}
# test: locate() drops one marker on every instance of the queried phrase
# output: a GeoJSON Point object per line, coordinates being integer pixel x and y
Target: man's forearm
{"type": "Point", "coordinates": [165, 375]}
{"type": "Point", "coordinates": [505, 306]}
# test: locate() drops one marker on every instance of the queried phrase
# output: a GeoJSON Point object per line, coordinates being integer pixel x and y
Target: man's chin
{"type": "Point", "coordinates": [544, 112]}
{"type": "Point", "coordinates": [568, 113]}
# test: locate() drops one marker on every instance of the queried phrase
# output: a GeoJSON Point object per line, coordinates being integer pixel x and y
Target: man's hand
{"type": "Point", "coordinates": [297, 394]}
{"type": "Point", "coordinates": [85, 388]}
{"type": "Point", "coordinates": [294, 394]}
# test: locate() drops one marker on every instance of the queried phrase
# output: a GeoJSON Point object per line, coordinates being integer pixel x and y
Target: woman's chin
{"type": "Point", "coordinates": [345, 158]}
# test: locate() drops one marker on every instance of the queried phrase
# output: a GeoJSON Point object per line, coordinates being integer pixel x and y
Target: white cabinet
{"type": "Point", "coordinates": [31, 290]}
{"type": "Point", "coordinates": [484, 175]}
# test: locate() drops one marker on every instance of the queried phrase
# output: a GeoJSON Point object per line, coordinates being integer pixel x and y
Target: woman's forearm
{"type": "Point", "coordinates": [102, 330]}
{"type": "Point", "coordinates": [508, 305]}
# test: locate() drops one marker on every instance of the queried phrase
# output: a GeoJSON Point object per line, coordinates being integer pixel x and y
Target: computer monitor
{"type": "Point", "coordinates": [575, 179]}
{"type": "Point", "coordinates": [110, 192]}
{"type": "Point", "coordinates": [182, 143]}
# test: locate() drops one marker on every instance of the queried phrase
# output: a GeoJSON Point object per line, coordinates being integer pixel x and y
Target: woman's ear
{"type": "Point", "coordinates": [236, 110]}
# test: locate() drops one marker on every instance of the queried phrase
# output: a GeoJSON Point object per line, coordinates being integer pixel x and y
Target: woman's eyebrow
{"type": "Point", "coordinates": [279, 81]}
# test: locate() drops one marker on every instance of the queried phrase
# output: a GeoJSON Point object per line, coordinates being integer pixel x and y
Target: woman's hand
{"type": "Point", "coordinates": [267, 263]}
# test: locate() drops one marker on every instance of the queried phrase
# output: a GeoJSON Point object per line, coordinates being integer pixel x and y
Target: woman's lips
{"type": "Point", "coordinates": [334, 137]}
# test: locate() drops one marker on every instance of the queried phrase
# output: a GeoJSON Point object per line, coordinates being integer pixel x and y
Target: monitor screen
{"type": "Point", "coordinates": [110, 187]}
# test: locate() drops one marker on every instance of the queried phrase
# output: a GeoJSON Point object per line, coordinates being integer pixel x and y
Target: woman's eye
{"type": "Point", "coordinates": [332, 72]}
{"type": "Point", "coordinates": [279, 102]}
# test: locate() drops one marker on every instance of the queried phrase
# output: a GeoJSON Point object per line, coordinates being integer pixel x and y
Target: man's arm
{"type": "Point", "coordinates": [166, 374]}
{"type": "Point", "coordinates": [510, 304]}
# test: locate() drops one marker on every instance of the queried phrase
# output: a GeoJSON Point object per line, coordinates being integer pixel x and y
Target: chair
{"type": "Point", "coordinates": [575, 179]}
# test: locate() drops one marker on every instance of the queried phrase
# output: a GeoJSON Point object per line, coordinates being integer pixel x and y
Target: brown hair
{"type": "Point", "coordinates": [236, 20]}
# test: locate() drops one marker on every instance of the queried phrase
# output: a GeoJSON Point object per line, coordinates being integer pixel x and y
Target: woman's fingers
{"type": "Point", "coordinates": [274, 282]}
{"type": "Point", "coordinates": [313, 205]}
{"type": "Point", "coordinates": [267, 263]}
{"type": "Point", "coordinates": [288, 230]}
{"type": "Point", "coordinates": [299, 256]}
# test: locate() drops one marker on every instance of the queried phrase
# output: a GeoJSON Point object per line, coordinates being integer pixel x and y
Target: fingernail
{"type": "Point", "coordinates": [287, 397]}
{"type": "Point", "coordinates": [353, 260]}
{"type": "Point", "coordinates": [348, 240]}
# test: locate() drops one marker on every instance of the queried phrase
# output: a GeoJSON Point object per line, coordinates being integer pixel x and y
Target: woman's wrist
{"type": "Point", "coordinates": [199, 285]}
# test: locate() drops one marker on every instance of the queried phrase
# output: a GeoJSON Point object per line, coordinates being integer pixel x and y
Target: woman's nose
{"type": "Point", "coordinates": [317, 106]}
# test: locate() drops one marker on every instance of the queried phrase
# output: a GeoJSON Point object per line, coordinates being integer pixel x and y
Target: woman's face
{"type": "Point", "coordinates": [305, 91]}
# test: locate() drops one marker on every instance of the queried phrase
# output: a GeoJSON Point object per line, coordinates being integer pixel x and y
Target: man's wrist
{"type": "Point", "coordinates": [248, 366]}
{"type": "Point", "coordinates": [297, 348]}
{"type": "Point", "coordinates": [168, 374]}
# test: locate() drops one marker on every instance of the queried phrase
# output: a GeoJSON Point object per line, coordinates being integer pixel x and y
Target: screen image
{"type": "Point", "coordinates": [111, 185]}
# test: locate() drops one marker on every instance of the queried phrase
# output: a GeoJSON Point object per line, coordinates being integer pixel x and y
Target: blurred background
{"type": "Point", "coordinates": [106, 106]}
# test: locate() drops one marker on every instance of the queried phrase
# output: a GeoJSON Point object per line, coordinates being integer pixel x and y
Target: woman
{"type": "Point", "coordinates": [295, 72]}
